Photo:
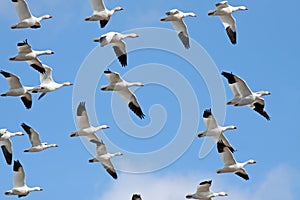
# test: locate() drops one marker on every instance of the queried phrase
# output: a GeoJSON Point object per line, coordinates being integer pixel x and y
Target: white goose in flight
{"type": "Point", "coordinates": [26, 19]}
{"type": "Point", "coordinates": [224, 11]}
{"type": "Point", "coordinates": [214, 130]}
{"type": "Point", "coordinates": [19, 186]}
{"type": "Point", "coordinates": [116, 41]}
{"type": "Point", "coordinates": [83, 124]}
{"type": "Point", "coordinates": [203, 192]}
{"type": "Point", "coordinates": [101, 13]}
{"type": "Point", "coordinates": [25, 53]}
{"type": "Point", "coordinates": [17, 89]}
{"type": "Point", "coordinates": [34, 137]}
{"type": "Point", "coordinates": [175, 16]}
{"type": "Point", "coordinates": [6, 145]}
{"type": "Point", "coordinates": [136, 197]}
{"type": "Point", "coordinates": [104, 158]}
{"type": "Point", "coordinates": [243, 96]}
{"type": "Point", "coordinates": [116, 83]}
{"type": "Point", "coordinates": [230, 165]}
{"type": "Point", "coordinates": [47, 84]}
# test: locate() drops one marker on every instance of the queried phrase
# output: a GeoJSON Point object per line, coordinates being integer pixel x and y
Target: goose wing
{"type": "Point", "coordinates": [27, 100]}
{"type": "Point", "coordinates": [230, 26]}
{"type": "Point", "coordinates": [222, 4]}
{"type": "Point", "coordinates": [13, 80]}
{"type": "Point", "coordinates": [225, 154]}
{"type": "Point", "coordinates": [225, 141]}
{"type": "Point", "coordinates": [120, 51]}
{"type": "Point", "coordinates": [108, 166]}
{"type": "Point", "coordinates": [240, 86]}
{"type": "Point", "coordinates": [259, 106]}
{"type": "Point", "coordinates": [22, 9]}
{"type": "Point", "coordinates": [204, 186]}
{"type": "Point", "coordinates": [209, 120]}
{"type": "Point", "coordinates": [113, 77]}
{"type": "Point", "coordinates": [37, 65]}
{"type": "Point", "coordinates": [242, 173]}
{"type": "Point", "coordinates": [46, 77]}
{"type": "Point", "coordinates": [82, 117]}
{"type": "Point", "coordinates": [97, 5]}
{"type": "Point", "coordinates": [131, 101]}
{"type": "Point", "coordinates": [34, 137]}
{"type": "Point", "coordinates": [106, 38]}
{"type": "Point", "coordinates": [7, 150]}
{"type": "Point", "coordinates": [24, 47]}
{"type": "Point", "coordinates": [181, 29]}
{"type": "Point", "coordinates": [19, 174]}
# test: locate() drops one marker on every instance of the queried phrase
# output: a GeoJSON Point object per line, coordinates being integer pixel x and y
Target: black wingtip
{"type": "Point", "coordinates": [229, 76]}
{"type": "Point", "coordinates": [15, 1]}
{"type": "Point", "coordinates": [38, 68]}
{"type": "Point", "coordinates": [27, 103]}
{"type": "Point", "coordinates": [137, 110]}
{"type": "Point", "coordinates": [206, 182]}
{"type": "Point", "coordinates": [7, 155]}
{"type": "Point", "coordinates": [220, 146]}
{"type": "Point", "coordinates": [207, 113]}
{"type": "Point", "coordinates": [231, 35]}
{"type": "Point", "coordinates": [25, 42]}
{"type": "Point", "coordinates": [17, 165]}
{"type": "Point", "coordinates": [5, 74]}
{"type": "Point", "coordinates": [136, 197]}
{"type": "Point", "coordinates": [107, 71]}
{"type": "Point", "coordinates": [260, 109]}
{"type": "Point", "coordinates": [123, 60]}
{"type": "Point", "coordinates": [103, 23]}
{"type": "Point", "coordinates": [244, 176]}
{"type": "Point", "coordinates": [80, 108]}
{"type": "Point", "coordinates": [26, 127]}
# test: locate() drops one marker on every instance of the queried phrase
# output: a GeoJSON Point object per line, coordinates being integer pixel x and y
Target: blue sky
{"type": "Point", "coordinates": [265, 56]}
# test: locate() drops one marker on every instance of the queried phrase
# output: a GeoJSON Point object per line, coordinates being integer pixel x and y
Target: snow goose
{"type": "Point", "coordinates": [244, 96]}
{"type": "Point", "coordinates": [116, 41]}
{"type": "Point", "coordinates": [104, 158]}
{"type": "Point", "coordinates": [34, 137]}
{"type": "Point", "coordinates": [17, 89]}
{"type": "Point", "coordinates": [19, 186]}
{"type": "Point", "coordinates": [6, 145]}
{"type": "Point", "coordinates": [83, 124]}
{"type": "Point", "coordinates": [214, 130]}
{"type": "Point", "coordinates": [136, 197]}
{"type": "Point", "coordinates": [25, 53]}
{"type": "Point", "coordinates": [224, 11]}
{"type": "Point", "coordinates": [204, 193]}
{"type": "Point", "coordinates": [230, 165]}
{"type": "Point", "coordinates": [47, 84]}
{"type": "Point", "coordinates": [175, 16]}
{"type": "Point", "coordinates": [26, 20]}
{"type": "Point", "coordinates": [116, 83]}
{"type": "Point", "coordinates": [101, 13]}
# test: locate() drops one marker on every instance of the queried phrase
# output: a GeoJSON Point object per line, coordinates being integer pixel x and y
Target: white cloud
{"type": "Point", "coordinates": [277, 184]}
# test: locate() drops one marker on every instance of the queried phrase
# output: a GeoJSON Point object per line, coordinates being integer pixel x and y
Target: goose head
{"type": "Point", "coordinates": [46, 17]}
{"type": "Point", "coordinates": [251, 161]}
{"type": "Point", "coordinates": [222, 194]}
{"type": "Point", "coordinates": [67, 83]}
{"type": "Point", "coordinates": [263, 93]}
{"type": "Point", "coordinates": [118, 9]}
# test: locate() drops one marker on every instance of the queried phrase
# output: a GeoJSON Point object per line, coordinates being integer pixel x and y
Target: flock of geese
{"type": "Point", "coordinates": [243, 95]}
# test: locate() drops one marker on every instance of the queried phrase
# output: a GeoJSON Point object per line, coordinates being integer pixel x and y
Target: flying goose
{"type": "Point", "coordinates": [47, 84]}
{"type": "Point", "coordinates": [26, 20]}
{"type": "Point", "coordinates": [230, 165]}
{"type": "Point", "coordinates": [6, 145]}
{"type": "Point", "coordinates": [116, 41]}
{"type": "Point", "coordinates": [116, 83]}
{"type": "Point", "coordinates": [20, 188]}
{"type": "Point", "coordinates": [104, 158]}
{"type": "Point", "coordinates": [17, 89]}
{"type": "Point", "coordinates": [214, 130]}
{"type": "Point", "coordinates": [101, 13]}
{"type": "Point", "coordinates": [204, 193]}
{"type": "Point", "coordinates": [25, 53]}
{"type": "Point", "coordinates": [175, 16]}
{"type": "Point", "coordinates": [136, 197]}
{"type": "Point", "coordinates": [34, 137]}
{"type": "Point", "coordinates": [83, 124]}
{"type": "Point", "coordinates": [224, 11]}
{"type": "Point", "coordinates": [244, 96]}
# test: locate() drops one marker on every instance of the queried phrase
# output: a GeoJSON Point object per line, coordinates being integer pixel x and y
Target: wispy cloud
{"type": "Point", "coordinates": [277, 184]}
